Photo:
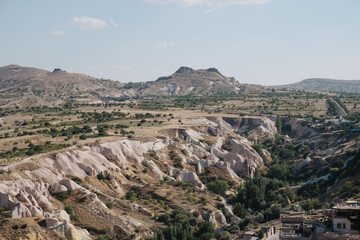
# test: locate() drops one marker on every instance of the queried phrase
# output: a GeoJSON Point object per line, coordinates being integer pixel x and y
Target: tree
{"type": "Point", "coordinates": [261, 234]}
{"type": "Point", "coordinates": [206, 230]}
{"type": "Point", "coordinates": [239, 210]}
{"type": "Point", "coordinates": [279, 124]}
{"type": "Point", "coordinates": [219, 187]}
{"type": "Point", "coordinates": [279, 171]}
{"type": "Point", "coordinates": [225, 236]}
{"type": "Point", "coordinates": [307, 205]}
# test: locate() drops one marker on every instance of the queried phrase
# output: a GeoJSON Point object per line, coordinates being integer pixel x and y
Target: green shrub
{"type": "Point", "coordinates": [69, 209]}
{"type": "Point", "coordinates": [101, 176]}
{"type": "Point", "coordinates": [77, 180]}
{"type": "Point", "coordinates": [261, 234]}
{"type": "Point", "coordinates": [74, 217]}
{"type": "Point", "coordinates": [219, 187]}
{"type": "Point", "coordinates": [131, 195]}
{"type": "Point", "coordinates": [110, 205]}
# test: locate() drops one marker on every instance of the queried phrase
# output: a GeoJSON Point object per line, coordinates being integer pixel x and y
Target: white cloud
{"type": "Point", "coordinates": [57, 33]}
{"type": "Point", "coordinates": [165, 44]}
{"type": "Point", "coordinates": [113, 23]}
{"type": "Point", "coordinates": [208, 2]}
{"type": "Point", "coordinates": [357, 59]}
{"type": "Point", "coordinates": [89, 23]}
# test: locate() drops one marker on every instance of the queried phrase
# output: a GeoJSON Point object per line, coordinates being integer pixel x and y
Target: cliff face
{"type": "Point", "coordinates": [185, 154]}
{"type": "Point", "coordinates": [253, 128]}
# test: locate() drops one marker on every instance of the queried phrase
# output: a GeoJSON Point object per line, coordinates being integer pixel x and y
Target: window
{"type": "Point", "coordinates": [341, 225]}
{"type": "Point", "coordinates": [353, 227]}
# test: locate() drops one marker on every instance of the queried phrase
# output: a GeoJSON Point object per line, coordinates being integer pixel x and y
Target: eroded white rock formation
{"type": "Point", "coordinates": [28, 193]}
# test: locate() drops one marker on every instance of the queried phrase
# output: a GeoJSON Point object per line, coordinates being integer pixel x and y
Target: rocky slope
{"type": "Point", "coordinates": [24, 86]}
{"type": "Point", "coordinates": [33, 87]}
{"type": "Point", "coordinates": [41, 186]}
{"type": "Point", "coordinates": [187, 80]}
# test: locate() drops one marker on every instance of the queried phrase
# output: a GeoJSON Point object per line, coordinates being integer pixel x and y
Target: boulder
{"type": "Point", "coordinates": [60, 215]}
{"type": "Point", "coordinates": [220, 218]}
{"type": "Point", "coordinates": [20, 211]}
{"type": "Point", "coordinates": [154, 168]}
{"type": "Point", "coordinates": [21, 196]}
{"type": "Point", "coordinates": [33, 201]}
{"type": "Point", "coordinates": [69, 184]}
{"type": "Point", "coordinates": [73, 233]}
{"type": "Point", "coordinates": [191, 136]}
{"type": "Point", "coordinates": [217, 218]}
{"type": "Point", "coordinates": [57, 188]}
{"type": "Point", "coordinates": [35, 211]}
{"type": "Point", "coordinates": [188, 176]}
{"type": "Point", "coordinates": [6, 200]}
{"type": "Point", "coordinates": [51, 222]}
{"type": "Point", "coordinates": [43, 201]}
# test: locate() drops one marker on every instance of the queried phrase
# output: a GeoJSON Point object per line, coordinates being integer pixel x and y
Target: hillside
{"type": "Point", "coordinates": [30, 86]}
{"type": "Point", "coordinates": [326, 85]}
{"type": "Point", "coordinates": [25, 86]}
{"type": "Point", "coordinates": [187, 80]}
{"type": "Point", "coordinates": [141, 168]}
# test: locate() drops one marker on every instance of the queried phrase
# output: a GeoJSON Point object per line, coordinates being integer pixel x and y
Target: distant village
{"type": "Point", "coordinates": [342, 222]}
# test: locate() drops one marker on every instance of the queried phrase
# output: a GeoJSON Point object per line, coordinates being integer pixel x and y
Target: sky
{"type": "Point", "coordinates": [268, 42]}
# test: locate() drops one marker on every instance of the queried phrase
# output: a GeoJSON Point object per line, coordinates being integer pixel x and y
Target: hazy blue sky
{"type": "Point", "coordinates": [256, 41]}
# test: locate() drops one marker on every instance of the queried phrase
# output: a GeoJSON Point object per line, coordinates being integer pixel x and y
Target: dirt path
{"type": "Point", "coordinates": [341, 110]}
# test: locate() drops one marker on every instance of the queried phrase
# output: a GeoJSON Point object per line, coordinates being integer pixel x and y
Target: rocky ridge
{"type": "Point", "coordinates": [30, 190]}
{"type": "Point", "coordinates": [25, 86]}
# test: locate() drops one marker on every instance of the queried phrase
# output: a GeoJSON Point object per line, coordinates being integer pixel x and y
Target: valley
{"type": "Point", "coordinates": [168, 160]}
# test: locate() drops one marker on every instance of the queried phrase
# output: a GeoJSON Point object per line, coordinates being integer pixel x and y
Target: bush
{"type": "Point", "coordinates": [261, 234]}
{"type": "Point", "coordinates": [131, 195]}
{"type": "Point", "coordinates": [74, 217]}
{"type": "Point", "coordinates": [165, 218]}
{"type": "Point", "coordinates": [77, 180]}
{"type": "Point", "coordinates": [219, 187]}
{"type": "Point", "coordinates": [239, 210]}
{"type": "Point", "coordinates": [69, 209]}
{"type": "Point", "coordinates": [63, 196]}
{"type": "Point", "coordinates": [225, 236]}
{"type": "Point", "coordinates": [203, 200]}
{"type": "Point", "coordinates": [100, 176]}
{"type": "Point", "coordinates": [15, 227]}
{"type": "Point", "coordinates": [307, 205]}
{"type": "Point", "coordinates": [110, 205]}
{"type": "Point", "coordinates": [83, 137]}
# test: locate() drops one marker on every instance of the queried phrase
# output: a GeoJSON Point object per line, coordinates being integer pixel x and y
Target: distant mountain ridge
{"type": "Point", "coordinates": [26, 86]}
{"type": "Point", "coordinates": [325, 85]}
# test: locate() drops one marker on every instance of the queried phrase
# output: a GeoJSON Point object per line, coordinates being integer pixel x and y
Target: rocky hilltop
{"type": "Point", "coordinates": [187, 80]}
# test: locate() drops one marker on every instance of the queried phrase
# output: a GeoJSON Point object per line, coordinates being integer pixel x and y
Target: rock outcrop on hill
{"type": "Point", "coordinates": [30, 192]}
{"type": "Point", "coordinates": [187, 80]}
